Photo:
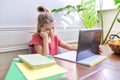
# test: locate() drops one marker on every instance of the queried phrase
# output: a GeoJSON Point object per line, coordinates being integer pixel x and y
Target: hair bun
{"type": "Point", "coordinates": [42, 9]}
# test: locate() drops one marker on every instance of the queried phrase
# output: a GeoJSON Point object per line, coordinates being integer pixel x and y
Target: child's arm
{"type": "Point", "coordinates": [38, 49]}
{"type": "Point", "coordinates": [68, 46]}
{"type": "Point", "coordinates": [45, 49]}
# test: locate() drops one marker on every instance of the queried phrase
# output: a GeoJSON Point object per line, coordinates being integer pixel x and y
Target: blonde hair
{"type": "Point", "coordinates": [45, 17]}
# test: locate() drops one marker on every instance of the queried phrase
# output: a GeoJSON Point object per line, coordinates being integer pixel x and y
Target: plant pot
{"type": "Point", "coordinates": [115, 46]}
{"type": "Point", "coordinates": [114, 43]}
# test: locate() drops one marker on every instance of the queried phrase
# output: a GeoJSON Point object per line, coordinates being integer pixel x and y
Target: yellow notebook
{"type": "Point", "coordinates": [34, 74]}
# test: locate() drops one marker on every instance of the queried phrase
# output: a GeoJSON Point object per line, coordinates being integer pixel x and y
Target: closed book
{"type": "Point", "coordinates": [36, 61]}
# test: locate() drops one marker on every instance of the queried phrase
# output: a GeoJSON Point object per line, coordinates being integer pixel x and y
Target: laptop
{"type": "Point", "coordinates": [88, 48]}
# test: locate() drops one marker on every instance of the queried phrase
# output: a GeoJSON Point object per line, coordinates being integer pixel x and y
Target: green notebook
{"type": "Point", "coordinates": [15, 74]}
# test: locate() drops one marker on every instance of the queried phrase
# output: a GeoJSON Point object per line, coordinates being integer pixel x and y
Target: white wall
{"type": "Point", "coordinates": [19, 17]}
{"type": "Point", "coordinates": [106, 4]}
{"type": "Point", "coordinates": [108, 17]}
{"type": "Point", "coordinates": [17, 13]}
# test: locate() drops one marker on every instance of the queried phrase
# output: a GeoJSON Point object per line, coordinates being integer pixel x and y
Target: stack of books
{"type": "Point", "coordinates": [35, 67]}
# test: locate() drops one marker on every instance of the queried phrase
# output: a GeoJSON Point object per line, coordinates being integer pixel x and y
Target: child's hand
{"type": "Point", "coordinates": [44, 35]}
{"type": "Point", "coordinates": [101, 49]}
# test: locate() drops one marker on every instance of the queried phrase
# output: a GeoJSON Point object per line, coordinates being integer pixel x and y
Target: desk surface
{"type": "Point", "coordinates": [106, 70]}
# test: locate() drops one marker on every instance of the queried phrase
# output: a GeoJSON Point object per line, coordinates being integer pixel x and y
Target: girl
{"type": "Point", "coordinates": [45, 42]}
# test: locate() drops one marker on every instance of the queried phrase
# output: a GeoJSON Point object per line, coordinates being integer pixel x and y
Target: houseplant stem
{"type": "Point", "coordinates": [82, 20]}
{"type": "Point", "coordinates": [80, 17]}
{"type": "Point", "coordinates": [101, 19]}
{"type": "Point", "coordinates": [111, 26]}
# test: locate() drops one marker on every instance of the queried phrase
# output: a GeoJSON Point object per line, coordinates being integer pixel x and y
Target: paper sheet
{"type": "Point", "coordinates": [32, 74]}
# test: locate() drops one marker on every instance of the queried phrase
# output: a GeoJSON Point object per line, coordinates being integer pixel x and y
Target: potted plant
{"type": "Point", "coordinates": [104, 38]}
{"type": "Point", "coordinates": [86, 11]}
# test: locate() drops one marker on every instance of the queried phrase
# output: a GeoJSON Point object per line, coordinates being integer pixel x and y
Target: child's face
{"type": "Point", "coordinates": [49, 28]}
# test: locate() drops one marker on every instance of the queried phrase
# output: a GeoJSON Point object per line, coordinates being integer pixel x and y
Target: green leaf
{"type": "Point", "coordinates": [117, 1]}
{"type": "Point", "coordinates": [80, 8]}
{"type": "Point", "coordinates": [68, 6]}
{"type": "Point", "coordinates": [118, 19]}
{"type": "Point", "coordinates": [68, 13]}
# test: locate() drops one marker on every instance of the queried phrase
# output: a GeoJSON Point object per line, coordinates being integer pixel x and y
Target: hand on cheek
{"type": "Point", "coordinates": [44, 34]}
